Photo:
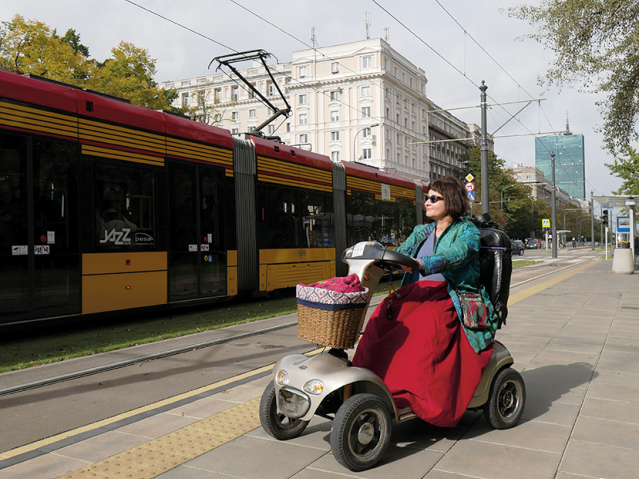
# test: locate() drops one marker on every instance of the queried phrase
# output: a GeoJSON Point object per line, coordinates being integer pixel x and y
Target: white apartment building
{"type": "Point", "coordinates": [360, 101]}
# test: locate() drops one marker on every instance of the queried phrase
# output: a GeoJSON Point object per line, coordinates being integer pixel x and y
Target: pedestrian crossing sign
{"type": "Point", "coordinates": [545, 223]}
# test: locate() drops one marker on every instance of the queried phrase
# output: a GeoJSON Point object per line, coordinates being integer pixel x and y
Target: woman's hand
{"type": "Point", "coordinates": [418, 266]}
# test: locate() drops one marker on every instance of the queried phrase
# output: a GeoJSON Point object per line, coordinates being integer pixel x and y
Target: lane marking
{"type": "Point", "coordinates": [528, 292]}
{"type": "Point", "coordinates": [542, 275]}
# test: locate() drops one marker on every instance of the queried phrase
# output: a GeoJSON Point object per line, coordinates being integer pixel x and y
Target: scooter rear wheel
{"type": "Point", "coordinates": [507, 399]}
{"type": "Point", "coordinates": [361, 432]}
{"type": "Point", "coordinates": [278, 425]}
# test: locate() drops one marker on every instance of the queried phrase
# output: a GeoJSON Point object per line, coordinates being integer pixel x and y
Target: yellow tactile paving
{"type": "Point", "coordinates": [160, 455]}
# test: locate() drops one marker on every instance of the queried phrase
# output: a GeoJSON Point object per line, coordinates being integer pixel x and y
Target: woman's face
{"type": "Point", "coordinates": [435, 210]}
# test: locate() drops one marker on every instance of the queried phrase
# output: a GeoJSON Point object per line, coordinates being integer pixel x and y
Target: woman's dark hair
{"type": "Point", "coordinates": [454, 195]}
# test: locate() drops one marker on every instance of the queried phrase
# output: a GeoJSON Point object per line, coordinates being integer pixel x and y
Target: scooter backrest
{"type": "Point", "coordinates": [495, 263]}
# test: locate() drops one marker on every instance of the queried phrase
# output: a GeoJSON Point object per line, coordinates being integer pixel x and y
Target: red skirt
{"type": "Point", "coordinates": [423, 354]}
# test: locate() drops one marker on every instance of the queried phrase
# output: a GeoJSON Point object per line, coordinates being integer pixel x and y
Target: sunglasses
{"type": "Point", "coordinates": [433, 198]}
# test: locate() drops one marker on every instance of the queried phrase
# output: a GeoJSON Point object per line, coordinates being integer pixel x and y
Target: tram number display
{"type": "Point", "coordinates": [301, 253]}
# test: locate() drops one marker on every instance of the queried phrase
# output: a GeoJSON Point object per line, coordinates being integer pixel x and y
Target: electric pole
{"type": "Point", "coordinates": [485, 198]}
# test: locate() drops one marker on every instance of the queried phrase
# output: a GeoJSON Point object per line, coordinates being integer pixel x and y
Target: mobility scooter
{"type": "Point", "coordinates": [357, 400]}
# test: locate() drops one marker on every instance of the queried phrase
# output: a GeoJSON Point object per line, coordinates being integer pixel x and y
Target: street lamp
{"type": "Point", "coordinates": [355, 138]}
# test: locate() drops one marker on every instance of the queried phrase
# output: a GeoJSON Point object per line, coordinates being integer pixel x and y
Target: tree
{"type": "Point", "coordinates": [628, 170]}
{"type": "Point", "coordinates": [30, 46]}
{"type": "Point", "coordinates": [596, 42]}
{"type": "Point", "coordinates": [129, 74]}
{"type": "Point", "coordinates": [515, 215]}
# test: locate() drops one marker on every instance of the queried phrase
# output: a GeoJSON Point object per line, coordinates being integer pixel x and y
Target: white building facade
{"type": "Point", "coordinates": [360, 101]}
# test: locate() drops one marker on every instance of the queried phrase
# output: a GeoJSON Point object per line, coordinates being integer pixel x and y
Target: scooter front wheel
{"type": "Point", "coordinates": [361, 432]}
{"type": "Point", "coordinates": [278, 425]}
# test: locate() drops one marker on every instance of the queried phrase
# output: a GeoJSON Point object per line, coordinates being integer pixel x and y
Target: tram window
{"type": "Point", "coordinates": [385, 225]}
{"type": "Point", "coordinates": [406, 219]}
{"type": "Point", "coordinates": [278, 218]}
{"type": "Point", "coordinates": [360, 209]}
{"type": "Point", "coordinates": [318, 220]}
{"type": "Point", "coordinates": [123, 199]}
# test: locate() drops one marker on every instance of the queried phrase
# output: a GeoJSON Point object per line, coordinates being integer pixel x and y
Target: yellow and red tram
{"type": "Point", "coordinates": [106, 207]}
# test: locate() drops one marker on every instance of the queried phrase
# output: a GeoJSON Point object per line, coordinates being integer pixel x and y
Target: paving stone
{"type": "Point", "coordinates": [608, 432]}
{"type": "Point", "coordinates": [527, 434]}
{"type": "Point", "coordinates": [620, 411]}
{"type": "Point", "coordinates": [48, 466]}
{"type": "Point", "coordinates": [398, 462]}
{"type": "Point", "coordinates": [483, 460]}
{"type": "Point", "coordinates": [102, 446]}
{"type": "Point", "coordinates": [253, 458]}
{"type": "Point", "coordinates": [599, 461]}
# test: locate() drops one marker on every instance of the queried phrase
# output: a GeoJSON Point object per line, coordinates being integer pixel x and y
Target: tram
{"type": "Point", "coordinates": [107, 207]}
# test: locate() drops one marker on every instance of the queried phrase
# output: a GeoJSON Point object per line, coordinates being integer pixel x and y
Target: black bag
{"type": "Point", "coordinates": [495, 263]}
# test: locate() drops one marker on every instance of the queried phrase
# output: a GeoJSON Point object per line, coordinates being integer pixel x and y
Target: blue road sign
{"type": "Point", "coordinates": [623, 224]}
{"type": "Point", "coordinates": [471, 195]}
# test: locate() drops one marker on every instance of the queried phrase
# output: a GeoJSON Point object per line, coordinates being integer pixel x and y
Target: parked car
{"type": "Point", "coordinates": [518, 247]}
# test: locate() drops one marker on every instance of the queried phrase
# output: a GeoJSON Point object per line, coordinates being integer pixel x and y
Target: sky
{"type": "Point", "coordinates": [443, 43]}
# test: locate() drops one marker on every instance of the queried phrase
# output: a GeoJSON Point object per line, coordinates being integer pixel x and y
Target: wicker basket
{"type": "Point", "coordinates": [335, 329]}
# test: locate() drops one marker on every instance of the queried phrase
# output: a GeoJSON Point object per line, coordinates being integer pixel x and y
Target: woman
{"type": "Point", "coordinates": [416, 340]}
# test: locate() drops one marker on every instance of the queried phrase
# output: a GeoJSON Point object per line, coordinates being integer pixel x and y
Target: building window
{"type": "Point", "coordinates": [235, 92]}
{"type": "Point", "coordinates": [367, 62]}
{"type": "Point", "coordinates": [411, 83]}
{"type": "Point", "coordinates": [271, 89]}
{"type": "Point", "coordinates": [235, 116]}
{"type": "Point", "coordinates": [335, 67]}
{"type": "Point", "coordinates": [397, 118]}
{"type": "Point", "coordinates": [334, 95]}
{"type": "Point", "coordinates": [252, 114]}
{"type": "Point", "coordinates": [335, 155]}
{"type": "Point", "coordinates": [185, 99]}
{"type": "Point", "coordinates": [304, 138]}
{"type": "Point", "coordinates": [395, 72]}
{"type": "Point", "coordinates": [334, 135]}
{"type": "Point", "coordinates": [302, 72]}
{"type": "Point", "coordinates": [271, 129]}
{"type": "Point", "coordinates": [366, 132]}
{"type": "Point", "coordinates": [385, 64]}
{"type": "Point", "coordinates": [335, 116]}
{"type": "Point", "coordinates": [388, 113]}
{"type": "Point", "coordinates": [367, 153]}
{"type": "Point", "coordinates": [366, 112]}
{"type": "Point", "coordinates": [403, 77]}
{"type": "Point", "coordinates": [302, 99]}
{"type": "Point", "coordinates": [366, 91]}
{"type": "Point", "coordinates": [387, 93]}
{"type": "Point", "coordinates": [235, 131]}
{"type": "Point", "coordinates": [288, 128]}
{"type": "Point", "coordinates": [303, 119]}
{"type": "Point", "coordinates": [217, 95]}
{"type": "Point", "coordinates": [406, 123]}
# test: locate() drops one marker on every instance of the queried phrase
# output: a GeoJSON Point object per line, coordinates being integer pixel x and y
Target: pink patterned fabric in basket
{"type": "Point", "coordinates": [338, 290]}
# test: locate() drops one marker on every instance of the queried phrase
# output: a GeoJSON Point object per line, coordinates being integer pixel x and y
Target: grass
{"type": "Point", "coordinates": [26, 349]}
{"type": "Point", "coordinates": [517, 264]}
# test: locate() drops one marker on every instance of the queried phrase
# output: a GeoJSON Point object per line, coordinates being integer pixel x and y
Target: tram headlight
{"type": "Point", "coordinates": [314, 386]}
{"type": "Point", "coordinates": [281, 377]}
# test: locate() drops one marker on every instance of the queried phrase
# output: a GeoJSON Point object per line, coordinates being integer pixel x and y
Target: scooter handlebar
{"type": "Point", "coordinates": [376, 251]}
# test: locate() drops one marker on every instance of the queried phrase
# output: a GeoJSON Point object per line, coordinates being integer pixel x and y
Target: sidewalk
{"type": "Point", "coordinates": [574, 343]}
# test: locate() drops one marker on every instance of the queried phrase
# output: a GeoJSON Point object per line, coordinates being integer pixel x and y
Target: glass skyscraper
{"type": "Point", "coordinates": [570, 172]}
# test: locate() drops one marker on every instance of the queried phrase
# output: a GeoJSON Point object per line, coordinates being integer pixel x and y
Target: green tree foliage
{"type": "Point", "coordinates": [596, 43]}
{"type": "Point", "coordinates": [30, 46]}
{"type": "Point", "coordinates": [628, 170]}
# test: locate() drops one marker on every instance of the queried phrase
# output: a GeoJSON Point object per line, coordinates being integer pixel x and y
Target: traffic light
{"type": "Point", "coordinates": [604, 218]}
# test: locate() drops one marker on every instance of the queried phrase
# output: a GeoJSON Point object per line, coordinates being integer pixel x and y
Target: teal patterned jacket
{"type": "Point", "coordinates": [455, 257]}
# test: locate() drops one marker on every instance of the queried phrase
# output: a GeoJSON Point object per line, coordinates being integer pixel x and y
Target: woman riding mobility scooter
{"type": "Point", "coordinates": [356, 399]}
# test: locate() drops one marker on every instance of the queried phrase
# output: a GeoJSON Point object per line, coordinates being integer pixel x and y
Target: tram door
{"type": "Point", "coordinates": [39, 255]}
{"type": "Point", "coordinates": [197, 250]}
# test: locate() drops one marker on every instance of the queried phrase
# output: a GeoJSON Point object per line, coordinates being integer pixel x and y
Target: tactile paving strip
{"type": "Point", "coordinates": [160, 455]}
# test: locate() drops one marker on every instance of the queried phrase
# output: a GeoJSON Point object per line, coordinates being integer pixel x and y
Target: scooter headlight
{"type": "Point", "coordinates": [281, 377]}
{"type": "Point", "coordinates": [314, 386]}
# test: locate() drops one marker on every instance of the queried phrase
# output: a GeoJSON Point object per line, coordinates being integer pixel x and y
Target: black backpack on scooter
{"type": "Point", "coordinates": [495, 264]}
